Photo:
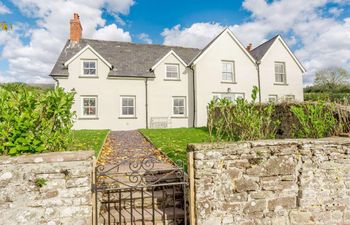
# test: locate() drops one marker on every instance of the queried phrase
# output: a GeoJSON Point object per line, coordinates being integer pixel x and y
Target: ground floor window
{"type": "Point", "coordinates": [89, 106]}
{"type": "Point", "coordinates": [273, 98]}
{"type": "Point", "coordinates": [290, 98]}
{"type": "Point", "coordinates": [179, 106]}
{"type": "Point", "coordinates": [230, 96]}
{"type": "Point", "coordinates": [128, 108]}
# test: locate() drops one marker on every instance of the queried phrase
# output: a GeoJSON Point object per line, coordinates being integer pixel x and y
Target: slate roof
{"type": "Point", "coordinates": [259, 52]}
{"type": "Point", "coordinates": [128, 59]}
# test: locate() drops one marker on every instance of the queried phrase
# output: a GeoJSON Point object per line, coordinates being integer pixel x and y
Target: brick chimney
{"type": "Point", "coordinates": [249, 47]}
{"type": "Point", "coordinates": [75, 29]}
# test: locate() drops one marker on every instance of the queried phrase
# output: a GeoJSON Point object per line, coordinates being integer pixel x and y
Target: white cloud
{"type": "Point", "coordinates": [4, 9]}
{"type": "Point", "coordinates": [33, 61]}
{"type": "Point", "coordinates": [336, 11]}
{"type": "Point", "coordinates": [111, 33]}
{"type": "Point", "coordinates": [324, 40]}
{"type": "Point", "coordinates": [198, 35]}
{"type": "Point", "coordinates": [145, 38]}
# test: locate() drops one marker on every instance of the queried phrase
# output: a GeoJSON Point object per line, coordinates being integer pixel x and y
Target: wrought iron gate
{"type": "Point", "coordinates": [140, 191]}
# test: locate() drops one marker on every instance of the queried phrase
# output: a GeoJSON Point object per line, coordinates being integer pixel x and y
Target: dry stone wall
{"type": "Point", "coordinates": [50, 188]}
{"type": "Point", "coordinates": [277, 182]}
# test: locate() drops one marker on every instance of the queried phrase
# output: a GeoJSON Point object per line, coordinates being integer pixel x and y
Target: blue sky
{"type": "Point", "coordinates": [318, 31]}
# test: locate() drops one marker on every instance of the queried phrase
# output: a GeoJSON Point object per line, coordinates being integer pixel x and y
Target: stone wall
{"type": "Point", "coordinates": [275, 182]}
{"type": "Point", "coordinates": [65, 195]}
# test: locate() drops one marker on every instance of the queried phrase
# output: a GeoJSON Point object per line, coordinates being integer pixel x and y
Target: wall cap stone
{"type": "Point", "coordinates": [48, 157]}
{"type": "Point", "coordinates": [270, 142]}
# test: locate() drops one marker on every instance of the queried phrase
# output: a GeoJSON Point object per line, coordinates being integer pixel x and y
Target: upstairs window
{"type": "Point", "coordinates": [90, 68]}
{"type": "Point", "coordinates": [280, 72]}
{"type": "Point", "coordinates": [128, 106]}
{"type": "Point", "coordinates": [179, 106]}
{"type": "Point", "coordinates": [172, 71]}
{"type": "Point", "coordinates": [89, 106]}
{"type": "Point", "coordinates": [227, 71]}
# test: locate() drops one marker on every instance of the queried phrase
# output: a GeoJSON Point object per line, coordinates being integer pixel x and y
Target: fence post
{"type": "Point", "coordinates": [191, 191]}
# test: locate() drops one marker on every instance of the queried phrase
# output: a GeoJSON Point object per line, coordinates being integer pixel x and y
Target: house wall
{"type": "Point", "coordinates": [108, 92]}
{"type": "Point", "coordinates": [294, 84]}
{"type": "Point", "coordinates": [208, 74]}
{"type": "Point", "coordinates": [161, 92]}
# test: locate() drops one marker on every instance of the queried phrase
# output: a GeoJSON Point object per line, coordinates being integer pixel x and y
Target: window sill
{"type": "Point", "coordinates": [88, 118]}
{"type": "Point", "coordinates": [127, 117]}
{"type": "Point", "coordinates": [179, 117]}
{"type": "Point", "coordinates": [82, 76]}
{"type": "Point", "coordinates": [167, 79]}
{"type": "Point", "coordinates": [281, 84]}
{"type": "Point", "coordinates": [228, 82]}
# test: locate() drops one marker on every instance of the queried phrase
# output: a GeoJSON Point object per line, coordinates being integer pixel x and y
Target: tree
{"type": "Point", "coordinates": [332, 78]}
{"type": "Point", "coordinates": [5, 26]}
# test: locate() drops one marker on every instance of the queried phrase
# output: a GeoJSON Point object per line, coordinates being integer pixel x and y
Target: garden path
{"type": "Point", "coordinates": [129, 145]}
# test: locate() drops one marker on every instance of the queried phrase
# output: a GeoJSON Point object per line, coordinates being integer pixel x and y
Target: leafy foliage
{"type": "Point", "coordinates": [40, 182]}
{"type": "Point", "coordinates": [316, 120]}
{"type": "Point", "coordinates": [331, 78]}
{"type": "Point", "coordinates": [34, 121]}
{"type": "Point", "coordinates": [343, 98]}
{"type": "Point", "coordinates": [241, 120]}
{"type": "Point", "coordinates": [5, 26]}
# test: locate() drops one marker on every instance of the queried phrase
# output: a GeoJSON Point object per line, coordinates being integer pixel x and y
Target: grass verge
{"type": "Point", "coordinates": [173, 142]}
{"type": "Point", "coordinates": [88, 140]}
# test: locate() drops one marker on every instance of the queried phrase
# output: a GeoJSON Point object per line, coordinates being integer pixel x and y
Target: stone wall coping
{"type": "Point", "coordinates": [49, 157]}
{"type": "Point", "coordinates": [270, 142]}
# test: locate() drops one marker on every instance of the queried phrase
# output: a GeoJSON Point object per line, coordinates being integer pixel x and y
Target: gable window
{"type": "Point", "coordinates": [227, 71]}
{"type": "Point", "coordinates": [280, 72]}
{"type": "Point", "coordinates": [172, 71]}
{"type": "Point", "coordinates": [89, 106]}
{"type": "Point", "coordinates": [273, 98]}
{"type": "Point", "coordinates": [179, 106]}
{"type": "Point", "coordinates": [89, 67]}
{"type": "Point", "coordinates": [128, 106]}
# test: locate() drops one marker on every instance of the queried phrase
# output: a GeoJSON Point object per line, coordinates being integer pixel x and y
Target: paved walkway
{"type": "Point", "coordinates": [128, 145]}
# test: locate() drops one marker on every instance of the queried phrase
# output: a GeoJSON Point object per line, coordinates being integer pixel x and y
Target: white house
{"type": "Point", "coordinates": [123, 86]}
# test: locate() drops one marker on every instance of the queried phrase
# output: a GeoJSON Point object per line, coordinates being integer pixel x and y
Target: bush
{"type": "Point", "coordinates": [343, 98]}
{"type": "Point", "coordinates": [315, 120]}
{"type": "Point", "coordinates": [34, 121]}
{"type": "Point", "coordinates": [241, 120]}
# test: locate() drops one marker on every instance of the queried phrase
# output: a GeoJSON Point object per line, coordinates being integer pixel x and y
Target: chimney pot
{"type": "Point", "coordinates": [249, 47]}
{"type": "Point", "coordinates": [75, 28]}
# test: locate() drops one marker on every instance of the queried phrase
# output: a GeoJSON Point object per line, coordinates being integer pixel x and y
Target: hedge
{"type": "Point", "coordinates": [33, 120]}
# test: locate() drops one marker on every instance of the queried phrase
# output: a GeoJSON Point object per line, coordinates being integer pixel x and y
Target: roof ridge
{"type": "Point", "coordinates": [274, 37]}
{"type": "Point", "coordinates": [143, 44]}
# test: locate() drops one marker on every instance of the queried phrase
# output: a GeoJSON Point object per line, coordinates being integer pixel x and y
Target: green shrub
{"type": "Point", "coordinates": [315, 120]}
{"type": "Point", "coordinates": [343, 98]}
{"type": "Point", "coordinates": [241, 120]}
{"type": "Point", "coordinates": [34, 121]}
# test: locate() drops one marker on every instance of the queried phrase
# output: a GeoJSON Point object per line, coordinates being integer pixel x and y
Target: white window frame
{"type": "Point", "coordinates": [289, 98]}
{"type": "Point", "coordinates": [83, 68]}
{"type": "Point", "coordinates": [234, 95]}
{"type": "Point", "coordinates": [121, 106]}
{"type": "Point", "coordinates": [283, 75]}
{"type": "Point", "coordinates": [173, 106]}
{"type": "Point", "coordinates": [273, 98]}
{"type": "Point", "coordinates": [166, 71]}
{"type": "Point", "coordinates": [232, 72]}
{"type": "Point", "coordinates": [82, 97]}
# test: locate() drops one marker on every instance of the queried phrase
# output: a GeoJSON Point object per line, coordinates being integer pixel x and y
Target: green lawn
{"type": "Point", "coordinates": [173, 142]}
{"type": "Point", "coordinates": [88, 140]}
